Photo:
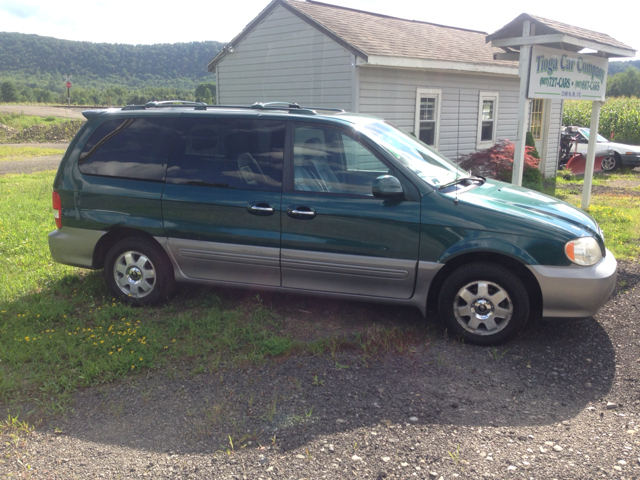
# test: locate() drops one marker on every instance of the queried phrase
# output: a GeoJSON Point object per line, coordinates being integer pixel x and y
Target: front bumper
{"type": "Point", "coordinates": [630, 159]}
{"type": "Point", "coordinates": [576, 291]}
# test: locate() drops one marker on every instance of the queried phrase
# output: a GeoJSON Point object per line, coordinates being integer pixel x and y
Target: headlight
{"type": "Point", "coordinates": [583, 251]}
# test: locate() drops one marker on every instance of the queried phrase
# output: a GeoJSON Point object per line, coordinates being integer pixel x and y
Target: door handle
{"type": "Point", "coordinates": [301, 213]}
{"type": "Point", "coordinates": [260, 208]}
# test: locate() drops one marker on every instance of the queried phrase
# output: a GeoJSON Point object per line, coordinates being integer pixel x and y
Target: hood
{"type": "Point", "coordinates": [511, 209]}
{"type": "Point", "coordinates": [622, 147]}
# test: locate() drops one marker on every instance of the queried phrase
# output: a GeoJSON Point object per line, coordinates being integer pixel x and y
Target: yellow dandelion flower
{"type": "Point", "coordinates": [140, 358]}
{"type": "Point", "coordinates": [101, 341]}
{"type": "Point", "coordinates": [110, 353]}
{"type": "Point", "coordinates": [132, 367]}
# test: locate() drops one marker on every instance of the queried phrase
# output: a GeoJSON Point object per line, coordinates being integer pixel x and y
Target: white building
{"type": "Point", "coordinates": [439, 83]}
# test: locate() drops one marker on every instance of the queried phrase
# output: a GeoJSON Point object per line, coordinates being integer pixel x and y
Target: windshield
{"type": "Point", "coordinates": [422, 160]}
{"type": "Point", "coordinates": [585, 132]}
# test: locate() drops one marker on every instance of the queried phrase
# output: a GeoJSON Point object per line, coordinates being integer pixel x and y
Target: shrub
{"type": "Point", "coordinates": [497, 162]}
{"type": "Point", "coordinates": [530, 142]}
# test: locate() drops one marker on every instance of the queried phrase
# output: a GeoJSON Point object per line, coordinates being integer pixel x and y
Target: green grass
{"type": "Point", "coordinates": [22, 153]}
{"type": "Point", "coordinates": [20, 121]}
{"type": "Point", "coordinates": [60, 329]}
{"type": "Point", "coordinates": [617, 215]}
{"type": "Point", "coordinates": [619, 218]}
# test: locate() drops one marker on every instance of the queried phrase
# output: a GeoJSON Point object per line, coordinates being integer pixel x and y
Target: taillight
{"type": "Point", "coordinates": [57, 209]}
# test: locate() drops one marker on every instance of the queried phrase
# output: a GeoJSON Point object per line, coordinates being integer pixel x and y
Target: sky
{"type": "Point", "coordinates": [150, 22]}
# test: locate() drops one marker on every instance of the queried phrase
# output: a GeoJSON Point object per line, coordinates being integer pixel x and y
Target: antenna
{"type": "Point", "coordinates": [455, 200]}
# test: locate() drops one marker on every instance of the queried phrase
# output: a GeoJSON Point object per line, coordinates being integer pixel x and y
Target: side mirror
{"type": "Point", "coordinates": [387, 186]}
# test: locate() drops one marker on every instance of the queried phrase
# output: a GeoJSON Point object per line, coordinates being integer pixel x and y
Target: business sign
{"type": "Point", "coordinates": [567, 75]}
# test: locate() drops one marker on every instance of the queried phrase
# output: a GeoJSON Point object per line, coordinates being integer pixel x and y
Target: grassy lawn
{"type": "Point", "coordinates": [9, 153]}
{"type": "Point", "coordinates": [20, 121]}
{"type": "Point", "coordinates": [617, 213]}
{"type": "Point", "coordinates": [60, 329]}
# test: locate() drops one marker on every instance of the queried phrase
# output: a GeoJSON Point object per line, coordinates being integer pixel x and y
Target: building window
{"type": "Point", "coordinates": [427, 124]}
{"type": "Point", "coordinates": [487, 118]}
{"type": "Point", "coordinates": [537, 114]}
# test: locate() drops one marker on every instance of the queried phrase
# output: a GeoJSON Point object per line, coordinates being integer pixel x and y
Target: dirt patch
{"type": "Point", "coordinates": [43, 111]}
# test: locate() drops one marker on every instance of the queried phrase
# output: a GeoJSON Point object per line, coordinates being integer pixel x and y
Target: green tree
{"type": "Point", "coordinates": [9, 92]}
{"type": "Point", "coordinates": [207, 97]}
{"type": "Point", "coordinates": [200, 92]}
{"type": "Point", "coordinates": [624, 84]}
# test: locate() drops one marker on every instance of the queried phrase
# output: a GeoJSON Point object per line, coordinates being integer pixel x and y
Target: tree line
{"type": "Point", "coordinates": [33, 69]}
{"type": "Point", "coordinates": [114, 95]}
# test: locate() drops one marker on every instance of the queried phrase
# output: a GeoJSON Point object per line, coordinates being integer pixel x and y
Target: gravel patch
{"type": "Point", "coordinates": [31, 165]}
{"type": "Point", "coordinates": [560, 401]}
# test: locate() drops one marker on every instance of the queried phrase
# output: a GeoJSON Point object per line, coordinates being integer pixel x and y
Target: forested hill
{"type": "Point", "coordinates": [36, 59]}
{"type": "Point", "coordinates": [617, 66]}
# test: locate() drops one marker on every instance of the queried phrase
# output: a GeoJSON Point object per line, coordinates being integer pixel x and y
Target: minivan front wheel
{"type": "Point", "coordinates": [138, 272]}
{"type": "Point", "coordinates": [484, 303]}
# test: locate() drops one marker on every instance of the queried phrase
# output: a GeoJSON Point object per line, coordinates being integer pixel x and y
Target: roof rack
{"type": "Point", "coordinates": [256, 106]}
{"type": "Point", "coordinates": [164, 103]}
{"type": "Point", "coordinates": [291, 106]}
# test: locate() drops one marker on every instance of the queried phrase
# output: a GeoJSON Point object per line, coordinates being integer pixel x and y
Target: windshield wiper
{"type": "Point", "coordinates": [471, 178]}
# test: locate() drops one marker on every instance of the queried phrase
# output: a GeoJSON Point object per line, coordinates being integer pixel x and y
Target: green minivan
{"type": "Point", "coordinates": [315, 201]}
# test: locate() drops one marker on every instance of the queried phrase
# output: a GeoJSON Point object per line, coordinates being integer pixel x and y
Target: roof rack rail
{"type": "Point", "coordinates": [164, 103]}
{"type": "Point", "coordinates": [292, 106]}
{"type": "Point", "coordinates": [256, 106]}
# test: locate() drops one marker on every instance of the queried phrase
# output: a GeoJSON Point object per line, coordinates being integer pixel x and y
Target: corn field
{"type": "Point", "coordinates": [620, 116]}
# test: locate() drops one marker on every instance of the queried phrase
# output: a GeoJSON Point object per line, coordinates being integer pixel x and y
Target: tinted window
{"type": "Point", "coordinates": [129, 148]}
{"type": "Point", "coordinates": [229, 153]}
{"type": "Point", "coordinates": [327, 160]}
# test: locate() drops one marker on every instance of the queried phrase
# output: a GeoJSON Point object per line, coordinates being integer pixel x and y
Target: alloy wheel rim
{"type": "Point", "coordinates": [608, 163]}
{"type": "Point", "coordinates": [483, 308]}
{"type": "Point", "coordinates": [134, 274]}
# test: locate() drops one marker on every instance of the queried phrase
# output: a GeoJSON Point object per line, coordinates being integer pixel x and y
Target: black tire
{"type": "Point", "coordinates": [138, 272]}
{"type": "Point", "coordinates": [497, 305]}
{"type": "Point", "coordinates": [610, 163]}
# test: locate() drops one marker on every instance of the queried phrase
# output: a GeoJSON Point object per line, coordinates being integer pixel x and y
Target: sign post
{"type": "Point", "coordinates": [68, 85]}
{"type": "Point", "coordinates": [523, 72]}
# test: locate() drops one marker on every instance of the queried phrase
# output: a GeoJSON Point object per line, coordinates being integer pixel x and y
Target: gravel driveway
{"type": "Point", "coordinates": [561, 401]}
{"type": "Point", "coordinates": [35, 164]}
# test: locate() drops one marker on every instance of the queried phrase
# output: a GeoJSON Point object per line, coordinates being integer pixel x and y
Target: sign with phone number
{"type": "Point", "coordinates": [563, 75]}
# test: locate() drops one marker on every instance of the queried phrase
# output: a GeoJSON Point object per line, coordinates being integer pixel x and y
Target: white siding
{"type": "Point", "coordinates": [391, 94]}
{"type": "Point", "coordinates": [550, 165]}
{"type": "Point", "coordinates": [285, 59]}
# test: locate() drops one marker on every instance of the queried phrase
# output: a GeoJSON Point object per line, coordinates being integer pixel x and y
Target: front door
{"type": "Point", "coordinates": [336, 236]}
{"type": "Point", "coordinates": [222, 199]}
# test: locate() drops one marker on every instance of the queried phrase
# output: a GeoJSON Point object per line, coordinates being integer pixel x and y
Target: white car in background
{"type": "Point", "coordinates": [622, 154]}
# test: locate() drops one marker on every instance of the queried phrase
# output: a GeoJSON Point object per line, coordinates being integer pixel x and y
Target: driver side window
{"type": "Point", "coordinates": [326, 160]}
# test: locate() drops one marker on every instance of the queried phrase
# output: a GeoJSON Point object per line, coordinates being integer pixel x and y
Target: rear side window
{"type": "Point", "coordinates": [136, 148]}
{"type": "Point", "coordinates": [228, 153]}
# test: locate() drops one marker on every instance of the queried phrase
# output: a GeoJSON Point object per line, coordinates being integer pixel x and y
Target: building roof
{"type": "Point", "coordinates": [383, 35]}
{"type": "Point", "coordinates": [572, 38]}
{"type": "Point", "coordinates": [369, 35]}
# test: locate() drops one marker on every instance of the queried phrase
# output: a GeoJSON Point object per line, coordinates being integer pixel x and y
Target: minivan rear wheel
{"type": "Point", "coordinates": [138, 272]}
{"type": "Point", "coordinates": [484, 303]}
